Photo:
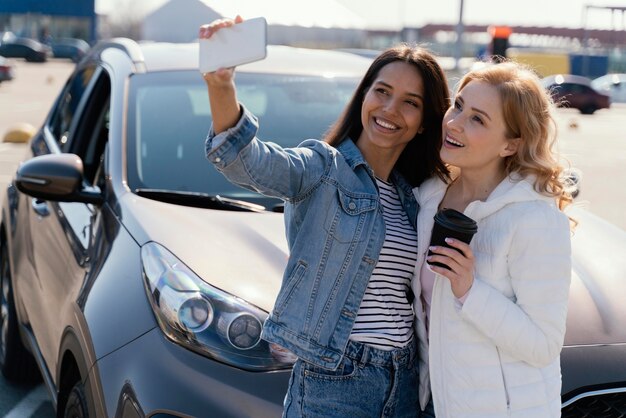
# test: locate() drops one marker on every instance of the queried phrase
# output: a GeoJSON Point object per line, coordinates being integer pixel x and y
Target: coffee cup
{"type": "Point", "coordinates": [450, 223]}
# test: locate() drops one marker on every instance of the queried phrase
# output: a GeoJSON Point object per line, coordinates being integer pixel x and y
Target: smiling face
{"type": "Point", "coordinates": [474, 131]}
{"type": "Point", "coordinates": [392, 111]}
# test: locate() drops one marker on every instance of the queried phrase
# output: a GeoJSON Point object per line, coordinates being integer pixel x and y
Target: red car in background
{"type": "Point", "coordinates": [6, 69]}
{"type": "Point", "coordinates": [576, 92]}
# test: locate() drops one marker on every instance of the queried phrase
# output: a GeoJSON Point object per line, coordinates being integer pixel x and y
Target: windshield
{"type": "Point", "coordinates": [169, 118]}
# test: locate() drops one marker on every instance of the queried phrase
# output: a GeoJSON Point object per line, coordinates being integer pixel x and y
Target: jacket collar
{"type": "Point", "coordinates": [512, 189]}
{"type": "Point", "coordinates": [351, 153]}
{"type": "Point", "coordinates": [354, 158]}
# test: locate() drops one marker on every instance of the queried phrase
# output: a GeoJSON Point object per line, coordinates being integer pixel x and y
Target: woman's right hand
{"type": "Point", "coordinates": [223, 76]}
{"type": "Point", "coordinates": [225, 109]}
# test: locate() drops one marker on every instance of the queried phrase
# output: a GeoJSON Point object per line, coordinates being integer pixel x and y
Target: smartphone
{"type": "Point", "coordinates": [238, 44]}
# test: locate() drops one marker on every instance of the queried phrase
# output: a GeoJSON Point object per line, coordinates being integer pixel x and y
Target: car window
{"type": "Point", "coordinates": [90, 131]}
{"type": "Point", "coordinates": [13, 49]}
{"type": "Point", "coordinates": [564, 88]}
{"type": "Point", "coordinates": [67, 106]}
{"type": "Point", "coordinates": [575, 88]}
{"type": "Point", "coordinates": [169, 118]}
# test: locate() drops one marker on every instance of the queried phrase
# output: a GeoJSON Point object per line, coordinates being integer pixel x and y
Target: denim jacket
{"type": "Point", "coordinates": [334, 226]}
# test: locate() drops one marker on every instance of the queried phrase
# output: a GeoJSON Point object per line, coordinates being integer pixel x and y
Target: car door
{"type": "Point", "coordinates": [14, 51]}
{"type": "Point", "coordinates": [618, 91]}
{"type": "Point", "coordinates": [573, 95]}
{"type": "Point", "coordinates": [62, 231]}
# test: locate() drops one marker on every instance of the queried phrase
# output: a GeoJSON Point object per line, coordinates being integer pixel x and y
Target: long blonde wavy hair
{"type": "Point", "coordinates": [527, 108]}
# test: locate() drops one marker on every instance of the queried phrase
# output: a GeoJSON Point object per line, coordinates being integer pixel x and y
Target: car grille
{"type": "Point", "coordinates": [608, 405]}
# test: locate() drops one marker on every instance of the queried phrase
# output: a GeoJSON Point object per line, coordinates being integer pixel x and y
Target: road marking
{"type": "Point", "coordinates": [29, 404]}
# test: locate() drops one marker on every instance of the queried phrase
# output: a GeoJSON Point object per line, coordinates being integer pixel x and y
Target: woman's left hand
{"type": "Point", "coordinates": [461, 263]}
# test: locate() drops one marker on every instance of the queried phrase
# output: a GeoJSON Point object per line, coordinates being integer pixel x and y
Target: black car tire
{"type": "Point", "coordinates": [588, 110]}
{"type": "Point", "coordinates": [76, 406]}
{"type": "Point", "coordinates": [34, 57]}
{"type": "Point", "coordinates": [16, 363]}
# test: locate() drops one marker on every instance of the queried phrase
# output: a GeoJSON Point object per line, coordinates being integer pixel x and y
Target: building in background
{"type": "Point", "coordinates": [319, 24]}
{"type": "Point", "coordinates": [45, 19]}
{"type": "Point", "coordinates": [550, 50]}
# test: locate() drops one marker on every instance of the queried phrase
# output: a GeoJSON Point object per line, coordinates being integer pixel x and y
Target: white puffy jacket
{"type": "Point", "coordinates": [497, 354]}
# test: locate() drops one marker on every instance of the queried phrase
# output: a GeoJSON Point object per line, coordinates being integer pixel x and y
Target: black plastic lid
{"type": "Point", "coordinates": [455, 220]}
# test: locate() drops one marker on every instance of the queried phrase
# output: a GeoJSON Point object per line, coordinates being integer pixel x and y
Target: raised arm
{"type": "Point", "coordinates": [221, 83]}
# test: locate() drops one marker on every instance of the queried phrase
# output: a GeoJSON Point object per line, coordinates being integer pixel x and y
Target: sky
{"type": "Point", "coordinates": [398, 13]}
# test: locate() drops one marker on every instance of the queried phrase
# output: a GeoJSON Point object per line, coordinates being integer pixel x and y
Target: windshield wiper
{"type": "Point", "coordinates": [199, 200]}
{"type": "Point", "coordinates": [279, 207]}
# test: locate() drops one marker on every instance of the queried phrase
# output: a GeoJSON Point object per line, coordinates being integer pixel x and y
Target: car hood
{"type": "Point", "coordinates": [597, 308]}
{"type": "Point", "coordinates": [242, 253]}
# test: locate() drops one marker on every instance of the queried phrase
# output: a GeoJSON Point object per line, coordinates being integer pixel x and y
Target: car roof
{"type": "Point", "coordinates": [28, 42]}
{"type": "Point", "coordinates": [280, 59]}
{"type": "Point", "coordinates": [613, 78]}
{"type": "Point", "coordinates": [566, 78]}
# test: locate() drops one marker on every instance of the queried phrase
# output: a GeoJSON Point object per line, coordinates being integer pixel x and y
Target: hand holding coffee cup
{"type": "Point", "coordinates": [450, 223]}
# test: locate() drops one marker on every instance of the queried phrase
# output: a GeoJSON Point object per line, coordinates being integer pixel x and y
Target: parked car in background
{"type": "Point", "coordinates": [72, 48]}
{"type": "Point", "coordinates": [137, 279]}
{"type": "Point", "coordinates": [576, 92]}
{"type": "Point", "coordinates": [613, 85]}
{"type": "Point", "coordinates": [6, 69]}
{"type": "Point", "coordinates": [26, 48]}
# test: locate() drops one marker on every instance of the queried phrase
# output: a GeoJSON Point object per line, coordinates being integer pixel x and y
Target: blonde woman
{"type": "Point", "coordinates": [491, 327]}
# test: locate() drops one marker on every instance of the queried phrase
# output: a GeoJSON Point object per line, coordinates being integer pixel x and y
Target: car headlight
{"type": "Point", "coordinates": [204, 319]}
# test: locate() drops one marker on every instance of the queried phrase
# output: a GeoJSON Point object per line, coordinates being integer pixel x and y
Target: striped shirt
{"type": "Point", "coordinates": [385, 317]}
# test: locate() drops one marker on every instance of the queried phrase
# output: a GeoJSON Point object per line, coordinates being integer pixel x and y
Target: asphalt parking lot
{"type": "Point", "coordinates": [24, 401]}
{"type": "Point", "coordinates": [27, 98]}
{"type": "Point", "coordinates": [596, 145]}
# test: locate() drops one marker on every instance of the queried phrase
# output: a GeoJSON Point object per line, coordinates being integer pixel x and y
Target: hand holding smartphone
{"type": "Point", "coordinates": [235, 45]}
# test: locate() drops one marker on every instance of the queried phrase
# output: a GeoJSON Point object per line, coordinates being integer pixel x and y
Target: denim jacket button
{"type": "Point", "coordinates": [352, 206]}
{"type": "Point", "coordinates": [347, 313]}
{"type": "Point", "coordinates": [217, 159]}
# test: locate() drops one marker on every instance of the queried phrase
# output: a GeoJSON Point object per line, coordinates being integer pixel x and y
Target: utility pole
{"type": "Point", "coordinates": [585, 69]}
{"type": "Point", "coordinates": [458, 50]}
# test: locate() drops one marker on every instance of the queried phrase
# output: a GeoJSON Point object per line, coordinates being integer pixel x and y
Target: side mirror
{"type": "Point", "coordinates": [56, 177]}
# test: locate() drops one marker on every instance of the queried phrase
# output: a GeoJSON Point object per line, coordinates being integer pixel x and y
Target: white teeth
{"type": "Point", "coordinates": [384, 124]}
{"type": "Point", "coordinates": [452, 141]}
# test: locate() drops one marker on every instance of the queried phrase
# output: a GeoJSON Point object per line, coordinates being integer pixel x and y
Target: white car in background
{"type": "Point", "coordinates": [613, 85]}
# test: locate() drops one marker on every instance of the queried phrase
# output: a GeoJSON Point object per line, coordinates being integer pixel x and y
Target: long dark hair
{"type": "Point", "coordinates": [420, 159]}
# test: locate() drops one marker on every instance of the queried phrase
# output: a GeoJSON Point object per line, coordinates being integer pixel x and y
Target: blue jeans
{"type": "Point", "coordinates": [429, 412]}
{"type": "Point", "coordinates": [368, 383]}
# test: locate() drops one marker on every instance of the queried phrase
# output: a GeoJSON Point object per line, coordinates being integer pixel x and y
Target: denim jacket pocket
{"type": "Point", "coordinates": [289, 287]}
{"type": "Point", "coordinates": [345, 219]}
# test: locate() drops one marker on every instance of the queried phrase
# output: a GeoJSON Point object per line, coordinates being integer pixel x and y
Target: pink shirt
{"type": "Point", "coordinates": [427, 281]}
